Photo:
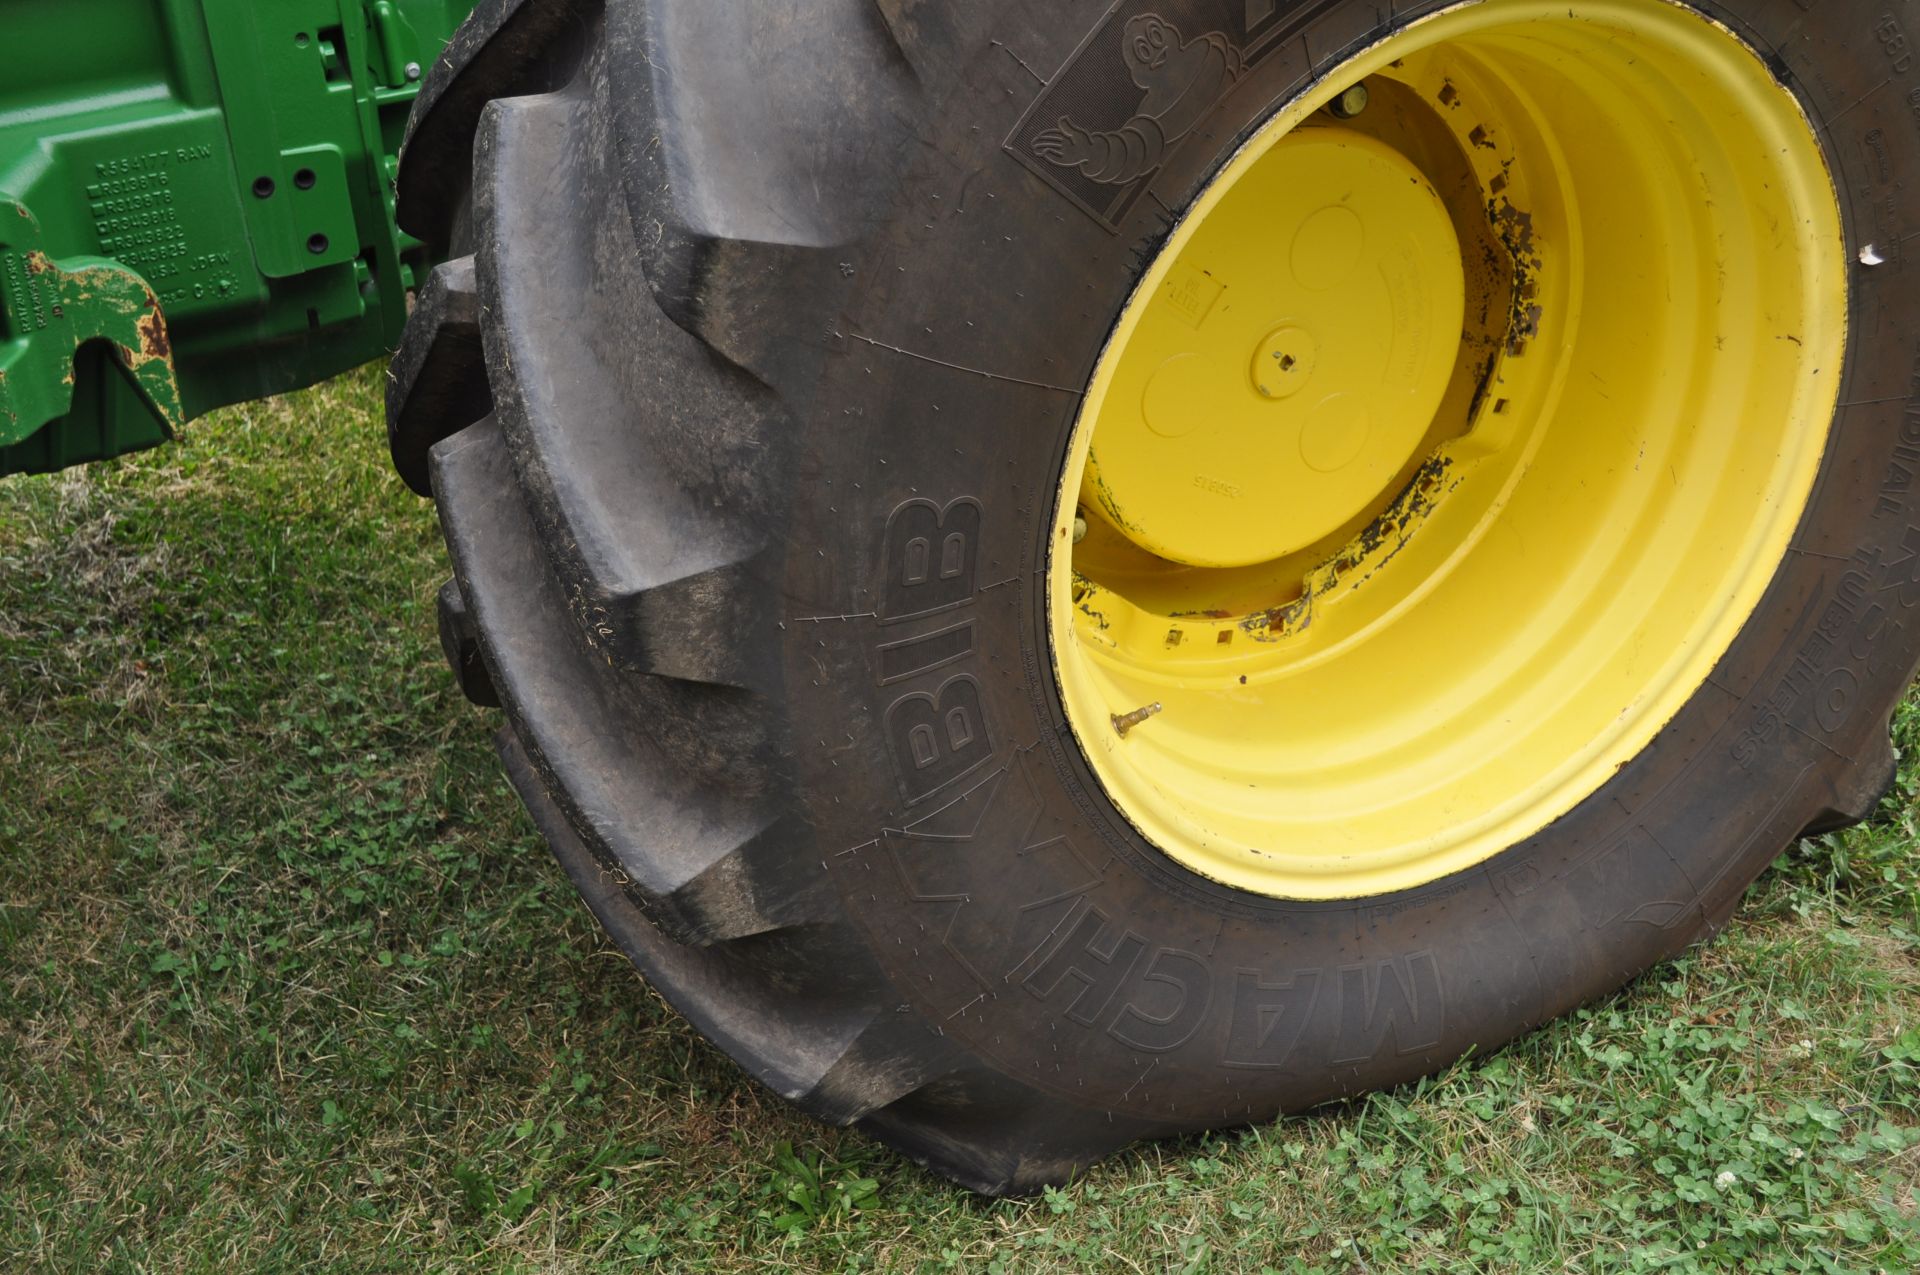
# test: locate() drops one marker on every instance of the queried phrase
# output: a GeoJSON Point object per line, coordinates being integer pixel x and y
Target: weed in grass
{"type": "Point", "coordinates": [287, 982]}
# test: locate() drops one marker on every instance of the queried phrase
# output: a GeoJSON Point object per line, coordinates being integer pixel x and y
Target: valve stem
{"type": "Point", "coordinates": [1123, 724]}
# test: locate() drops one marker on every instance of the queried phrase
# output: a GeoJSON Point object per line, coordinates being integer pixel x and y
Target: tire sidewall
{"type": "Point", "coordinates": [1012, 904]}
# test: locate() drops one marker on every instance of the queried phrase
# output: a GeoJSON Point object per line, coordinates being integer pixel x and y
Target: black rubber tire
{"type": "Point", "coordinates": [762, 292]}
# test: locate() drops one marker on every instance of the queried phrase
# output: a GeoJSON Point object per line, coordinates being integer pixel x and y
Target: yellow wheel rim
{"type": "Point", "coordinates": [1447, 445]}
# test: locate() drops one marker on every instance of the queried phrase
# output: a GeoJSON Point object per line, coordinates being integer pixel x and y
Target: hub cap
{"type": "Point", "coordinates": [1311, 378]}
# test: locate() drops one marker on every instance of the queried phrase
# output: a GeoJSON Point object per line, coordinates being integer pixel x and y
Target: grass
{"type": "Point", "coordinates": [288, 983]}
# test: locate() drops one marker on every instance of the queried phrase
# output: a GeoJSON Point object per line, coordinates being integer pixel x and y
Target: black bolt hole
{"type": "Point", "coordinates": [263, 188]}
{"type": "Point", "coordinates": [302, 39]}
{"type": "Point", "coordinates": [1288, 362]}
{"type": "Point", "coordinates": [316, 244]}
{"type": "Point", "coordinates": [304, 179]}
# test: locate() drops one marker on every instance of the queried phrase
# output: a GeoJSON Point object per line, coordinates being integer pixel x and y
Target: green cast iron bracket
{"type": "Point", "coordinates": [60, 309]}
{"type": "Point", "coordinates": [196, 207]}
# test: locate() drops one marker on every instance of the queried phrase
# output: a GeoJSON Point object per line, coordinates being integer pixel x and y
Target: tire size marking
{"type": "Point", "coordinates": [1850, 626]}
{"type": "Point", "coordinates": [1896, 487]}
{"type": "Point", "coordinates": [1869, 602]}
{"type": "Point", "coordinates": [1849, 623]}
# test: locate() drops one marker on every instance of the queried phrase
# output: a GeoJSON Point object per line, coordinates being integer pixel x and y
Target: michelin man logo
{"type": "Point", "coordinates": [1137, 89]}
{"type": "Point", "coordinates": [1183, 79]}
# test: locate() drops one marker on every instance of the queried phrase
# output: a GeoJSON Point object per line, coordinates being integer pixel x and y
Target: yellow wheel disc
{"type": "Point", "coordinates": [1315, 378]}
{"type": "Point", "coordinates": [1448, 444]}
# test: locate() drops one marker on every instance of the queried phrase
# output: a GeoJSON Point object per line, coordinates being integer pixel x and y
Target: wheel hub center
{"type": "Point", "coordinates": [1290, 364]}
{"type": "Point", "coordinates": [1285, 361]}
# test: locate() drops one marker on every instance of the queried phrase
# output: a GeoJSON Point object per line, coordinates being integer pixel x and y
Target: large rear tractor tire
{"type": "Point", "coordinates": [1060, 575]}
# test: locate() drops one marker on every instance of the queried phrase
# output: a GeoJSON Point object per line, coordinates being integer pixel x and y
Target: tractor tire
{"type": "Point", "coordinates": [747, 405]}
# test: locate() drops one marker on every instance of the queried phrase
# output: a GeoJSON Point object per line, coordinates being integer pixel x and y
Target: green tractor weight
{"type": "Point", "coordinates": [196, 207]}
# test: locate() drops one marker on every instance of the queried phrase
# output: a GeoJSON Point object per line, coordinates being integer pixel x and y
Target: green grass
{"type": "Point", "coordinates": [287, 982]}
